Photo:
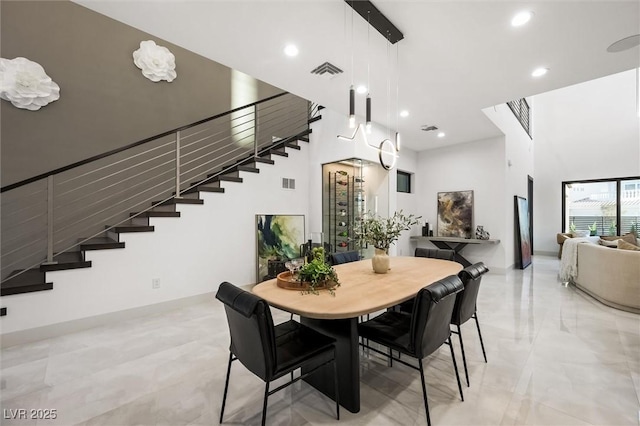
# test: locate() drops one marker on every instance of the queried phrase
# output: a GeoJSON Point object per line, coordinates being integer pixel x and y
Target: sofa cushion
{"type": "Point", "coordinates": [630, 238]}
{"type": "Point", "coordinates": [623, 245]}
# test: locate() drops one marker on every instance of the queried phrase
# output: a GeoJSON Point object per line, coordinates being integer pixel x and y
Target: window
{"type": "Point", "coordinates": [613, 205]}
{"type": "Point", "coordinates": [404, 182]}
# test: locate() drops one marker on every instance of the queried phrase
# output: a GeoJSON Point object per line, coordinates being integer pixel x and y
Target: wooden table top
{"type": "Point", "coordinates": [361, 290]}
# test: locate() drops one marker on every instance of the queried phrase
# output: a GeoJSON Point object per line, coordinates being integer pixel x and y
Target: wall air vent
{"type": "Point", "coordinates": [288, 183]}
{"type": "Point", "coordinates": [326, 70]}
{"type": "Point", "coordinates": [427, 128]}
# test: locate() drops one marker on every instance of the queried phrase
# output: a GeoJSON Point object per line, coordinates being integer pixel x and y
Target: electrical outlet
{"type": "Point", "coordinates": [155, 283]}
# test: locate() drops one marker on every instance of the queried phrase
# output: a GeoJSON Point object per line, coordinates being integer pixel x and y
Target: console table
{"type": "Point", "coordinates": [454, 243]}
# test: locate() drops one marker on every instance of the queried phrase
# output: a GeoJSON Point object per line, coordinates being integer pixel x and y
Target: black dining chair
{"type": "Point", "coordinates": [435, 253]}
{"type": "Point", "coordinates": [269, 351]}
{"type": "Point", "coordinates": [432, 253]}
{"type": "Point", "coordinates": [465, 307]}
{"type": "Point", "coordinates": [419, 333]}
{"type": "Point", "coordinates": [344, 257]}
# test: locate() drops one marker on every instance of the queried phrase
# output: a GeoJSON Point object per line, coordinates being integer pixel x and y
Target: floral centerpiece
{"type": "Point", "coordinates": [318, 274]}
{"type": "Point", "coordinates": [381, 232]}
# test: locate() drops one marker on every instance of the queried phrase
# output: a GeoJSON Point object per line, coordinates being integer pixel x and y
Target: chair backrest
{"type": "Point", "coordinates": [251, 329]}
{"type": "Point", "coordinates": [431, 315]}
{"type": "Point", "coordinates": [345, 257]}
{"type": "Point", "coordinates": [435, 253]}
{"type": "Point", "coordinates": [466, 300]}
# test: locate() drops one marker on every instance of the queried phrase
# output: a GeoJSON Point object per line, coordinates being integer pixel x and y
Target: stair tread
{"type": "Point", "coordinates": [248, 169]}
{"type": "Point", "coordinates": [205, 188]}
{"type": "Point", "coordinates": [27, 282]}
{"type": "Point", "coordinates": [179, 201]}
{"type": "Point", "coordinates": [292, 145]}
{"type": "Point", "coordinates": [263, 160]}
{"type": "Point", "coordinates": [224, 178]}
{"type": "Point", "coordinates": [67, 260]}
{"type": "Point", "coordinates": [278, 152]}
{"type": "Point", "coordinates": [100, 243]}
{"type": "Point", "coordinates": [152, 213]}
{"type": "Point", "coordinates": [132, 228]}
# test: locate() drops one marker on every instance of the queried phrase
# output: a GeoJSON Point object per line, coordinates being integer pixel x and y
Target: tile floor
{"type": "Point", "coordinates": [556, 357]}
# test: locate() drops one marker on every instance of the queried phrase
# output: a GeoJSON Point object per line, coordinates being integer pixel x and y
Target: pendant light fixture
{"type": "Point", "coordinates": [368, 104]}
{"type": "Point", "coordinates": [352, 93]}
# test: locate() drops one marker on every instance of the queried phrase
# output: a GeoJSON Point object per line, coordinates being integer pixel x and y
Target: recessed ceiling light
{"type": "Point", "coordinates": [441, 135]}
{"type": "Point", "coordinates": [362, 89]}
{"type": "Point", "coordinates": [291, 50]}
{"type": "Point", "coordinates": [404, 113]}
{"type": "Point", "coordinates": [521, 18]}
{"type": "Point", "coordinates": [539, 72]}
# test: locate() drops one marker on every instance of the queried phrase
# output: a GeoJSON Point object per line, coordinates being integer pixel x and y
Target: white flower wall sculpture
{"type": "Point", "coordinates": [25, 84]}
{"type": "Point", "coordinates": [156, 62]}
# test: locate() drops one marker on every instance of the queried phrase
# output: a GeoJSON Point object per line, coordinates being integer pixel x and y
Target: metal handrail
{"type": "Point", "coordinates": [43, 216]}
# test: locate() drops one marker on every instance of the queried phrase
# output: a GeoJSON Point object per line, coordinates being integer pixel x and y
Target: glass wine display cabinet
{"type": "Point", "coordinates": [346, 198]}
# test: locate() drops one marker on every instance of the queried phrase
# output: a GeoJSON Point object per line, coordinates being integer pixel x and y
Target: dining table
{"type": "Point", "coordinates": [361, 292]}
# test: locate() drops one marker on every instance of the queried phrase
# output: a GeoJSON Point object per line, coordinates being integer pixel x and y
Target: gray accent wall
{"type": "Point", "coordinates": [105, 101]}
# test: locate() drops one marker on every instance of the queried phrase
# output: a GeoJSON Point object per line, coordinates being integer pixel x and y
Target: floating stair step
{"type": "Point", "coordinates": [27, 282]}
{"type": "Point", "coordinates": [68, 260]}
{"type": "Point", "coordinates": [262, 160]}
{"type": "Point", "coordinates": [277, 152]}
{"type": "Point", "coordinates": [320, 107]}
{"type": "Point", "coordinates": [101, 243]}
{"type": "Point", "coordinates": [179, 201]}
{"type": "Point", "coordinates": [304, 138]}
{"type": "Point", "coordinates": [3, 312]}
{"type": "Point", "coordinates": [293, 145]}
{"type": "Point", "coordinates": [122, 229]}
{"type": "Point", "coordinates": [314, 119]}
{"type": "Point", "coordinates": [205, 188]}
{"type": "Point", "coordinates": [225, 178]}
{"type": "Point", "coordinates": [153, 213]}
{"type": "Point", "coordinates": [249, 169]}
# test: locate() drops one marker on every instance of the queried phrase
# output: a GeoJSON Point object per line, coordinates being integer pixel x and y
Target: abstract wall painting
{"type": "Point", "coordinates": [523, 239]}
{"type": "Point", "coordinates": [278, 238]}
{"type": "Point", "coordinates": [455, 214]}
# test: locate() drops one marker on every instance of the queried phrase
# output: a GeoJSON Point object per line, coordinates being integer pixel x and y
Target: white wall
{"type": "Point", "coordinates": [518, 165]}
{"type": "Point", "coordinates": [586, 131]}
{"type": "Point", "coordinates": [477, 166]}
{"type": "Point", "coordinates": [190, 255]}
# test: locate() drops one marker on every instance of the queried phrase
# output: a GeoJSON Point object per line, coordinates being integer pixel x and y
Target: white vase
{"type": "Point", "coordinates": [380, 262]}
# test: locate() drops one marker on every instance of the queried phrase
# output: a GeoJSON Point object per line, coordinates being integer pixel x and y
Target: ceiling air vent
{"type": "Point", "coordinates": [326, 70]}
{"type": "Point", "coordinates": [426, 128]}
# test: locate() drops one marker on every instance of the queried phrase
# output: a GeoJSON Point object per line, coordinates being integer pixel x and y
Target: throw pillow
{"type": "Point", "coordinates": [608, 243]}
{"type": "Point", "coordinates": [629, 237]}
{"type": "Point", "coordinates": [623, 245]}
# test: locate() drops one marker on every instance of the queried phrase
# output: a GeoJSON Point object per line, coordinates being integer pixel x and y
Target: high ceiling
{"type": "Point", "coordinates": [456, 57]}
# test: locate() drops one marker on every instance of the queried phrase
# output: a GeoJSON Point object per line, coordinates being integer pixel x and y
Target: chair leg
{"type": "Point", "coordinates": [390, 359]}
{"type": "Point", "coordinates": [464, 357]}
{"type": "Point", "coordinates": [455, 367]}
{"type": "Point", "coordinates": [424, 393]}
{"type": "Point", "coordinates": [475, 315]}
{"type": "Point", "coordinates": [335, 384]}
{"type": "Point", "coordinates": [226, 386]}
{"type": "Point", "coordinates": [264, 404]}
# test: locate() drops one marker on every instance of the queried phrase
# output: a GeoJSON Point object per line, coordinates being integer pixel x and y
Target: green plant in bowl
{"type": "Point", "coordinates": [318, 273]}
{"type": "Point", "coordinates": [593, 229]}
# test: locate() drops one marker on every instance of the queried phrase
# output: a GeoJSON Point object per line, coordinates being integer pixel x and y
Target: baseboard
{"type": "Point", "coordinates": [59, 329]}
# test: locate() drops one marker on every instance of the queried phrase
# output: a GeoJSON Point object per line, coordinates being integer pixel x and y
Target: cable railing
{"type": "Point", "coordinates": [56, 212]}
{"type": "Point", "coordinates": [521, 110]}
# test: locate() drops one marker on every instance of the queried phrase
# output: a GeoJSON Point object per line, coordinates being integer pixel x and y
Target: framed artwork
{"type": "Point", "coordinates": [455, 214]}
{"type": "Point", "coordinates": [523, 239]}
{"type": "Point", "coordinates": [278, 239]}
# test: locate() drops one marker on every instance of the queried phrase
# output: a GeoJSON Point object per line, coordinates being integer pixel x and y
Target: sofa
{"type": "Point", "coordinates": [610, 275]}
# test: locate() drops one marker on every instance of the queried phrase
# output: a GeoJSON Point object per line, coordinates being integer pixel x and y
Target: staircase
{"type": "Point", "coordinates": [194, 172]}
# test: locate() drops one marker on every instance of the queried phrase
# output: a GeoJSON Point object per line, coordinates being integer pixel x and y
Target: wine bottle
{"type": "Point", "coordinates": [342, 193]}
{"type": "Point", "coordinates": [343, 203]}
{"type": "Point", "coordinates": [343, 234]}
{"type": "Point", "coordinates": [342, 223]}
{"type": "Point", "coordinates": [359, 180]}
{"type": "Point", "coordinates": [342, 172]}
{"type": "Point", "coordinates": [343, 183]}
{"type": "Point", "coordinates": [343, 212]}
{"type": "Point", "coordinates": [343, 244]}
